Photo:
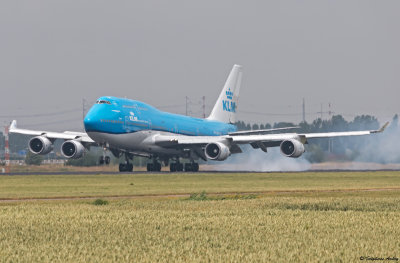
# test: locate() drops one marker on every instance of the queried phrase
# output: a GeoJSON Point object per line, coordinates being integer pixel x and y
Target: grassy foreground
{"type": "Point", "coordinates": [312, 227]}
{"type": "Point", "coordinates": [273, 227]}
{"type": "Point", "coordinates": [165, 183]}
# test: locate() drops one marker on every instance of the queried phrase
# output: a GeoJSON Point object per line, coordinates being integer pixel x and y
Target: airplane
{"type": "Point", "coordinates": [132, 128]}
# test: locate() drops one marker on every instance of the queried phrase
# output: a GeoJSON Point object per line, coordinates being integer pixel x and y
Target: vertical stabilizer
{"type": "Point", "coordinates": [226, 106]}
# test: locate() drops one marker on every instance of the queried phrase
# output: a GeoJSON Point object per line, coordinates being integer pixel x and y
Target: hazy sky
{"type": "Point", "coordinates": [55, 53]}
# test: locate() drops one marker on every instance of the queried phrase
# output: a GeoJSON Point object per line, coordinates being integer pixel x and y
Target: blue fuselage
{"type": "Point", "coordinates": [113, 115]}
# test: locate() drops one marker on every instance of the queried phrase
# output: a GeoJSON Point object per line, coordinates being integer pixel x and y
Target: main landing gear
{"type": "Point", "coordinates": [189, 167]}
{"type": "Point", "coordinates": [176, 167]}
{"type": "Point", "coordinates": [126, 167]}
{"type": "Point", "coordinates": [154, 167]}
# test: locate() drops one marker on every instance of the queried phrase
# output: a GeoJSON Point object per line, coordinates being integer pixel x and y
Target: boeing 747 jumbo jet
{"type": "Point", "coordinates": [132, 128]}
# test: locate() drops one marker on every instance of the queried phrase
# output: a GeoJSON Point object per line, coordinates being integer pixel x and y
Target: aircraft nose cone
{"type": "Point", "coordinates": [89, 123]}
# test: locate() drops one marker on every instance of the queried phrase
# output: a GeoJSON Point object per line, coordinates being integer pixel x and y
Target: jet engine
{"type": "Point", "coordinates": [217, 151]}
{"type": "Point", "coordinates": [292, 148]}
{"type": "Point", "coordinates": [40, 145]}
{"type": "Point", "coordinates": [72, 149]}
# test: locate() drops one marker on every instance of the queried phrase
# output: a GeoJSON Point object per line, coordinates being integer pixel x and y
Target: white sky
{"type": "Point", "coordinates": [55, 53]}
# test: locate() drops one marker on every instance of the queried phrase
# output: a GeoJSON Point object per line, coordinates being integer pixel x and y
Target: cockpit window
{"type": "Point", "coordinates": [103, 102]}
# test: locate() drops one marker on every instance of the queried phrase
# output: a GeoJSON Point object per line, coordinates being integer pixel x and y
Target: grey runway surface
{"type": "Point", "coordinates": [207, 172]}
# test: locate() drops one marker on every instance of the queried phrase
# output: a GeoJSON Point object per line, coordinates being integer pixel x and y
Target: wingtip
{"type": "Point", "coordinates": [13, 125]}
{"type": "Point", "coordinates": [382, 128]}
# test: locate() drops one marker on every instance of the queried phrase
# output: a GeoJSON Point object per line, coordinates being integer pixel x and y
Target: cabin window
{"type": "Point", "coordinates": [103, 102]}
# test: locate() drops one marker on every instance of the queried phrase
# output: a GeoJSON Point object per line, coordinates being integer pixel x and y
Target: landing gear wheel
{"type": "Point", "coordinates": [179, 167]}
{"type": "Point", "coordinates": [157, 167]}
{"type": "Point", "coordinates": [125, 167]}
{"type": "Point", "coordinates": [107, 160]}
{"type": "Point", "coordinates": [191, 167]}
{"type": "Point", "coordinates": [172, 167]}
{"type": "Point", "coordinates": [101, 160]}
{"type": "Point", "coordinates": [154, 167]}
{"type": "Point", "coordinates": [195, 167]}
{"type": "Point", "coordinates": [188, 167]}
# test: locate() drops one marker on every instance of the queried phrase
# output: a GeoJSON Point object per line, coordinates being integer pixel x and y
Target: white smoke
{"type": "Point", "coordinates": [259, 161]}
{"type": "Point", "coordinates": [382, 148]}
{"type": "Point", "coordinates": [374, 152]}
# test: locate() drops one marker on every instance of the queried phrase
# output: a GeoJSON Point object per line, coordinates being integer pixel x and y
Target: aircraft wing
{"type": "Point", "coordinates": [269, 140]}
{"type": "Point", "coordinates": [253, 132]}
{"type": "Point", "coordinates": [67, 135]}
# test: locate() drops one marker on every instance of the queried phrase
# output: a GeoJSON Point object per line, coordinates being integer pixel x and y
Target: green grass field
{"type": "Point", "coordinates": [165, 183]}
{"type": "Point", "coordinates": [294, 218]}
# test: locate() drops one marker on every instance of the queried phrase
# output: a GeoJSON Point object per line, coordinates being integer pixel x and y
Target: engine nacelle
{"type": "Point", "coordinates": [292, 148]}
{"type": "Point", "coordinates": [72, 149]}
{"type": "Point", "coordinates": [40, 145]}
{"type": "Point", "coordinates": [217, 151]}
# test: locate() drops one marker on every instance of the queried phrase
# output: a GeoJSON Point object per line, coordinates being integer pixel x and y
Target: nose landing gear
{"type": "Point", "coordinates": [104, 160]}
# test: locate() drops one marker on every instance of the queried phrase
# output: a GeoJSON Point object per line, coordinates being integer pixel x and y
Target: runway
{"type": "Point", "coordinates": [200, 172]}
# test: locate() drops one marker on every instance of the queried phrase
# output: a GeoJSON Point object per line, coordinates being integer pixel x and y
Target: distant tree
{"type": "Point", "coordinates": [395, 120]}
{"type": "Point", "coordinates": [33, 159]}
{"type": "Point", "coordinates": [364, 122]}
{"type": "Point", "coordinates": [255, 126]}
{"type": "Point", "coordinates": [316, 125]}
{"type": "Point", "coordinates": [283, 125]}
{"type": "Point", "coordinates": [338, 123]}
{"type": "Point", "coordinates": [394, 124]}
{"type": "Point", "coordinates": [304, 127]}
{"type": "Point", "coordinates": [240, 125]}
